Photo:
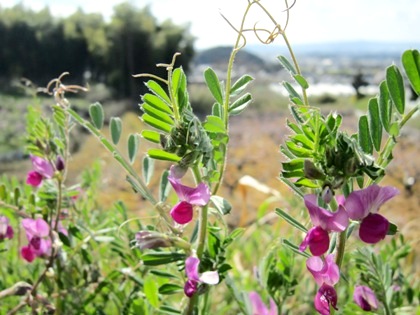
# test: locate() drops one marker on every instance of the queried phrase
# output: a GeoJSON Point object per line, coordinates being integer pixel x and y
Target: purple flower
{"type": "Point", "coordinates": [6, 231]}
{"type": "Point", "coordinates": [258, 306]}
{"type": "Point", "coordinates": [325, 298]}
{"type": "Point", "coordinates": [37, 233]}
{"type": "Point", "coordinates": [182, 212]}
{"type": "Point", "coordinates": [363, 205]}
{"type": "Point", "coordinates": [365, 298]}
{"type": "Point", "coordinates": [323, 271]}
{"type": "Point", "coordinates": [194, 278]}
{"type": "Point", "coordinates": [324, 222]}
{"type": "Point", "coordinates": [40, 169]}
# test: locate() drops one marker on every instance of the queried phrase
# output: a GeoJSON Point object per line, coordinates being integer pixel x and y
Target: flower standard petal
{"type": "Point", "coordinates": [182, 212]}
{"type": "Point", "coordinates": [373, 228]}
{"type": "Point", "coordinates": [191, 268]}
{"type": "Point", "coordinates": [365, 298]}
{"type": "Point", "coordinates": [323, 271]}
{"type": "Point", "coordinates": [362, 202]}
{"type": "Point", "coordinates": [329, 221]}
{"type": "Point", "coordinates": [258, 307]}
{"type": "Point", "coordinates": [199, 196]}
{"type": "Point", "coordinates": [42, 166]}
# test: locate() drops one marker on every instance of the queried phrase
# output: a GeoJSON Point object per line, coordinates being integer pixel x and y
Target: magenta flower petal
{"type": "Point", "coordinates": [42, 166]}
{"type": "Point", "coordinates": [325, 298]}
{"type": "Point", "coordinates": [190, 288]}
{"type": "Point", "coordinates": [182, 212]}
{"type": "Point", "coordinates": [362, 202]}
{"type": "Point", "coordinates": [365, 298]}
{"type": "Point", "coordinates": [34, 178]}
{"type": "Point", "coordinates": [37, 227]}
{"type": "Point", "coordinates": [323, 271]}
{"type": "Point", "coordinates": [373, 228]}
{"type": "Point", "coordinates": [6, 231]}
{"type": "Point", "coordinates": [191, 268]}
{"type": "Point", "coordinates": [318, 241]}
{"type": "Point", "coordinates": [27, 253]}
{"type": "Point", "coordinates": [329, 221]}
{"type": "Point", "coordinates": [199, 195]}
{"type": "Point", "coordinates": [258, 306]}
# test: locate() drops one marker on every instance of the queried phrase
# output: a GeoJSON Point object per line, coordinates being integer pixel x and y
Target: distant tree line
{"type": "Point", "coordinates": [37, 46]}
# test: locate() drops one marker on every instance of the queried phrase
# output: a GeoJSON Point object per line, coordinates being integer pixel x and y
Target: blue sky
{"type": "Point", "coordinates": [310, 21]}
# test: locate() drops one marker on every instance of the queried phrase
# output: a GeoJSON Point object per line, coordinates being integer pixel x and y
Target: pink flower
{"type": "Point", "coordinates": [37, 233]}
{"type": "Point", "coordinates": [365, 298]}
{"type": "Point", "coordinates": [182, 212]}
{"type": "Point", "coordinates": [6, 231]}
{"type": "Point", "coordinates": [194, 278]}
{"type": "Point", "coordinates": [258, 306]}
{"type": "Point", "coordinates": [324, 222]}
{"type": "Point", "coordinates": [325, 298]}
{"type": "Point", "coordinates": [41, 169]}
{"type": "Point", "coordinates": [363, 205]}
{"type": "Point", "coordinates": [323, 271]}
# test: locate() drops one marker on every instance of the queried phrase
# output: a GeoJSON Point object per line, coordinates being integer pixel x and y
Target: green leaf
{"type": "Point", "coordinates": [375, 127]}
{"type": "Point", "coordinates": [217, 110]}
{"type": "Point", "coordinates": [168, 310]}
{"type": "Point", "coordinates": [213, 84]}
{"type": "Point", "coordinates": [299, 151]}
{"type": "Point", "coordinates": [96, 113]}
{"type": "Point", "coordinates": [161, 258]}
{"type": "Point", "coordinates": [152, 136]}
{"type": "Point", "coordinates": [214, 124]}
{"type": "Point", "coordinates": [159, 115]}
{"type": "Point", "coordinates": [240, 104]}
{"type": "Point", "coordinates": [157, 89]}
{"type": "Point", "coordinates": [364, 136]}
{"type": "Point", "coordinates": [151, 291]}
{"type": "Point", "coordinates": [156, 123]}
{"type": "Point", "coordinates": [133, 147]}
{"type": "Point", "coordinates": [221, 204]}
{"type": "Point", "coordinates": [289, 219]}
{"type": "Point", "coordinates": [301, 81]}
{"type": "Point", "coordinates": [287, 65]}
{"type": "Point", "coordinates": [396, 89]}
{"type": "Point", "coordinates": [162, 155]}
{"type": "Point", "coordinates": [115, 127]}
{"type": "Point", "coordinates": [292, 92]}
{"type": "Point", "coordinates": [148, 168]}
{"type": "Point", "coordinates": [385, 108]}
{"type": "Point", "coordinates": [164, 187]}
{"type": "Point", "coordinates": [239, 86]}
{"type": "Point", "coordinates": [170, 288]}
{"type": "Point", "coordinates": [303, 141]}
{"type": "Point", "coordinates": [306, 183]}
{"type": "Point", "coordinates": [156, 103]}
{"type": "Point", "coordinates": [296, 164]}
{"type": "Point", "coordinates": [411, 64]}
{"type": "Point", "coordinates": [294, 248]}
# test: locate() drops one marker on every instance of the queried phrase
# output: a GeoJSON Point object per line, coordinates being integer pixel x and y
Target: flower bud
{"type": "Point", "coordinates": [59, 164]}
{"type": "Point", "coordinates": [365, 298]}
{"type": "Point", "coordinates": [151, 240]}
{"type": "Point", "coordinates": [327, 194]}
{"type": "Point", "coordinates": [311, 171]}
